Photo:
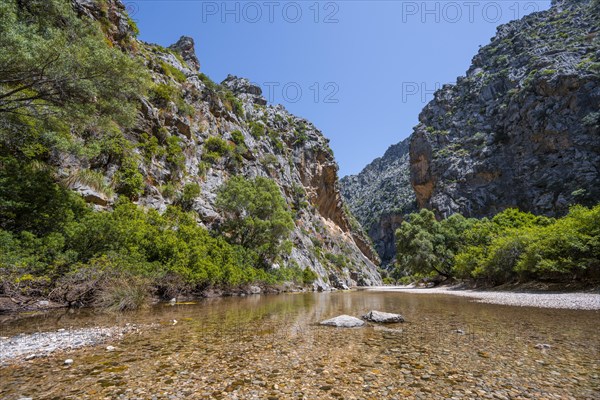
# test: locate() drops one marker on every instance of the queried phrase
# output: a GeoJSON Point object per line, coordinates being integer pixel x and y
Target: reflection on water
{"type": "Point", "coordinates": [271, 347]}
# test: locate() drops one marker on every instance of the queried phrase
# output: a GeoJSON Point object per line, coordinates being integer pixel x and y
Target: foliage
{"type": "Point", "coordinates": [257, 130]}
{"type": "Point", "coordinates": [256, 215]}
{"type": "Point", "coordinates": [60, 69]}
{"type": "Point", "coordinates": [190, 192]}
{"type": "Point", "coordinates": [118, 256]}
{"type": "Point", "coordinates": [216, 148]}
{"type": "Point", "coordinates": [237, 137]}
{"type": "Point", "coordinates": [512, 245]}
{"type": "Point", "coordinates": [308, 276]}
{"type": "Point", "coordinates": [174, 153]}
{"type": "Point", "coordinates": [425, 245]}
{"type": "Point", "coordinates": [163, 93]}
{"type": "Point", "coordinates": [232, 103]}
{"type": "Point", "coordinates": [173, 72]}
{"type": "Point", "coordinates": [130, 181]}
{"type": "Point", "coordinates": [31, 200]}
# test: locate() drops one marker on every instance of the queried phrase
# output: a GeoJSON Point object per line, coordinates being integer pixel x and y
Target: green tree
{"type": "Point", "coordinates": [425, 245]}
{"type": "Point", "coordinates": [257, 216]}
{"type": "Point", "coordinates": [51, 58]}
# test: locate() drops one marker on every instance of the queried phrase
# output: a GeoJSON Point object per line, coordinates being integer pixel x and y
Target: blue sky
{"type": "Point", "coordinates": [361, 71]}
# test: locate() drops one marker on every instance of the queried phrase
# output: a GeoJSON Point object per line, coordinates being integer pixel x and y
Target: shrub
{"type": "Point", "coordinates": [308, 276]}
{"type": "Point", "coordinates": [130, 181]}
{"type": "Point", "coordinates": [174, 152]}
{"type": "Point", "coordinates": [162, 93]}
{"type": "Point", "coordinates": [232, 103]}
{"type": "Point", "coordinates": [123, 293]}
{"type": "Point", "coordinates": [237, 137]}
{"type": "Point", "coordinates": [257, 130]}
{"type": "Point", "coordinates": [173, 72]}
{"type": "Point", "coordinates": [190, 192]}
{"type": "Point", "coordinates": [215, 148]}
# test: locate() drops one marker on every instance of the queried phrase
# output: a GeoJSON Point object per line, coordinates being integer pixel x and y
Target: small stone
{"type": "Point", "coordinates": [110, 348]}
{"type": "Point", "coordinates": [543, 346]}
{"type": "Point", "coordinates": [68, 361]}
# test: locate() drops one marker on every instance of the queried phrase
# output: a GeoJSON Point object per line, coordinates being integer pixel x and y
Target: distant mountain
{"type": "Point", "coordinates": [380, 195]}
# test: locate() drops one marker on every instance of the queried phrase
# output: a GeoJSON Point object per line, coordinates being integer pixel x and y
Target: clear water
{"type": "Point", "coordinates": [268, 347]}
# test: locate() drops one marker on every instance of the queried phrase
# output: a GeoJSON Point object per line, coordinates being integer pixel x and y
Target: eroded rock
{"type": "Point", "coordinates": [344, 321]}
{"type": "Point", "coordinates": [382, 317]}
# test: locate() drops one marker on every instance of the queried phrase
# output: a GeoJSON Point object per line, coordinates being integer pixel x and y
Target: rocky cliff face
{"type": "Point", "coordinates": [186, 109]}
{"type": "Point", "coordinates": [522, 129]}
{"type": "Point", "coordinates": [380, 195]}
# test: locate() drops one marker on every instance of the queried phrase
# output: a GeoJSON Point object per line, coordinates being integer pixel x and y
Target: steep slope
{"type": "Point", "coordinates": [191, 132]}
{"type": "Point", "coordinates": [522, 129]}
{"type": "Point", "coordinates": [380, 195]}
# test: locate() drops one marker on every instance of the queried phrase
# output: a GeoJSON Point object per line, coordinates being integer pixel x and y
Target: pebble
{"type": "Point", "coordinates": [572, 301]}
{"type": "Point", "coordinates": [68, 361]}
{"type": "Point", "coordinates": [42, 344]}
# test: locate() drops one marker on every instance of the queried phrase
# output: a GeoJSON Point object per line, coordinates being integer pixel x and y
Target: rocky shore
{"type": "Point", "coordinates": [572, 301]}
{"type": "Point", "coordinates": [42, 344]}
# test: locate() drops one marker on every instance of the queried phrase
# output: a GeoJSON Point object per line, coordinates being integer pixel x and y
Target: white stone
{"type": "Point", "coordinates": [343, 321]}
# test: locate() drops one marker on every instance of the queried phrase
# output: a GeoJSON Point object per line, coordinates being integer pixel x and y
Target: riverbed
{"type": "Point", "coordinates": [271, 347]}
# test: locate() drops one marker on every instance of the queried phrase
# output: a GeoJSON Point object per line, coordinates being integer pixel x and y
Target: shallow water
{"type": "Point", "coordinates": [269, 347]}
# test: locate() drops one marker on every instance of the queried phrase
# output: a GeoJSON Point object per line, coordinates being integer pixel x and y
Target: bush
{"type": "Point", "coordinates": [216, 148]}
{"type": "Point", "coordinates": [175, 154]}
{"type": "Point", "coordinates": [232, 103]}
{"type": "Point", "coordinates": [190, 192]}
{"type": "Point", "coordinates": [256, 216]}
{"type": "Point", "coordinates": [173, 72]}
{"type": "Point", "coordinates": [162, 93]}
{"type": "Point", "coordinates": [308, 276]}
{"type": "Point", "coordinates": [123, 293]}
{"type": "Point", "coordinates": [257, 130]}
{"type": "Point", "coordinates": [512, 245]}
{"type": "Point", "coordinates": [130, 181]}
{"type": "Point", "coordinates": [237, 137]}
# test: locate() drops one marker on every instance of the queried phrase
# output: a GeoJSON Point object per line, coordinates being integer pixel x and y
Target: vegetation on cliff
{"type": "Point", "coordinates": [123, 169]}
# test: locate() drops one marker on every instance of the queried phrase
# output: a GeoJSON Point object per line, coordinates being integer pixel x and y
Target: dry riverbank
{"type": "Point", "coordinates": [565, 300]}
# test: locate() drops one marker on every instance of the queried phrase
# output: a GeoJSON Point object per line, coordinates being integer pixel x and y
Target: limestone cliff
{"type": "Point", "coordinates": [186, 109]}
{"type": "Point", "coordinates": [522, 129]}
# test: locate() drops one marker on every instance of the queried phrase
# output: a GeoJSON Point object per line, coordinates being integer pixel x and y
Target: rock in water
{"type": "Point", "coordinates": [343, 321]}
{"type": "Point", "coordinates": [383, 317]}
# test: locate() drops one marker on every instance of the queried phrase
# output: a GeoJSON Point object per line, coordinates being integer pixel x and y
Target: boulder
{"type": "Point", "coordinates": [343, 321]}
{"type": "Point", "coordinates": [382, 317]}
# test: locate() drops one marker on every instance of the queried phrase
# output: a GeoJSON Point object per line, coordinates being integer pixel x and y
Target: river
{"type": "Point", "coordinates": [271, 347]}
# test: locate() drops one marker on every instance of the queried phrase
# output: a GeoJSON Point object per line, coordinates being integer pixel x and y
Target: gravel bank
{"type": "Point", "coordinates": [572, 301]}
{"type": "Point", "coordinates": [34, 345]}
